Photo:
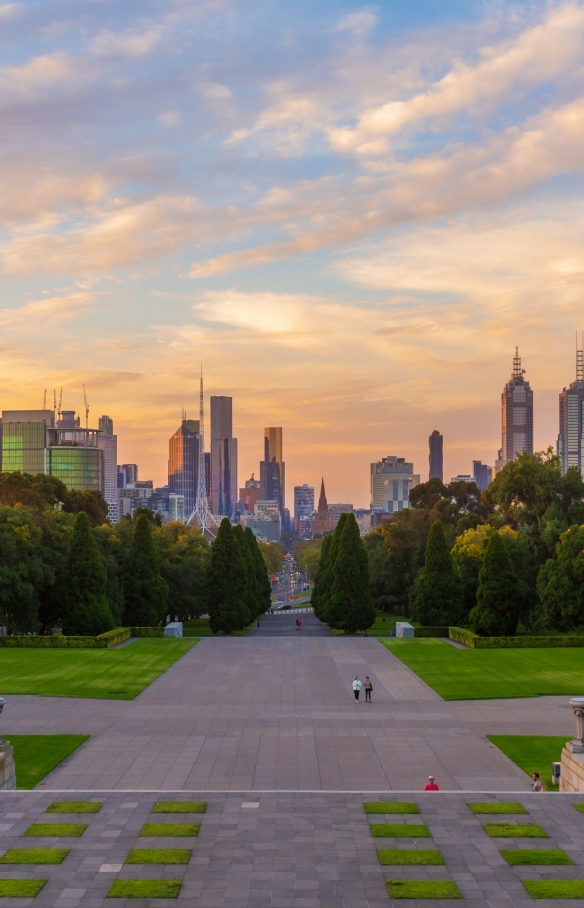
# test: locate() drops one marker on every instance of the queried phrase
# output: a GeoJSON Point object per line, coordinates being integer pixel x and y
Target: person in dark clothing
{"type": "Point", "coordinates": [368, 688]}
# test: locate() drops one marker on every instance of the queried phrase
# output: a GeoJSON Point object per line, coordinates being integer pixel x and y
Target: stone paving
{"type": "Point", "coordinates": [286, 850]}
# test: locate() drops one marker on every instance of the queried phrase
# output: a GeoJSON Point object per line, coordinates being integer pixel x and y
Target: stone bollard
{"type": "Point", "coordinates": [572, 769]}
{"type": "Point", "coordinates": [7, 768]}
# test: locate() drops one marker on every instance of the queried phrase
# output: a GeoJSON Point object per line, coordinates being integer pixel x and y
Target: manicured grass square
{"type": "Point", "coordinates": [20, 889]}
{"type": "Point", "coordinates": [159, 856]}
{"type": "Point", "coordinates": [144, 889]}
{"type": "Point", "coordinates": [408, 856]}
{"type": "Point", "coordinates": [390, 807]}
{"type": "Point", "coordinates": [483, 807]}
{"type": "Point", "coordinates": [174, 829]}
{"type": "Point", "coordinates": [37, 755]}
{"type": "Point", "coordinates": [579, 808]}
{"type": "Point", "coordinates": [535, 856]}
{"type": "Point", "coordinates": [422, 889]}
{"type": "Point", "coordinates": [400, 830]}
{"type": "Point", "coordinates": [555, 889]}
{"type": "Point", "coordinates": [515, 831]}
{"type": "Point", "coordinates": [533, 753]}
{"type": "Point", "coordinates": [180, 807]}
{"type": "Point", "coordinates": [56, 829]}
{"type": "Point", "coordinates": [34, 856]}
{"type": "Point", "coordinates": [74, 807]}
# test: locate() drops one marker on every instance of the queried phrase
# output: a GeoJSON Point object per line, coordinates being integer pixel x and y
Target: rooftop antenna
{"type": "Point", "coordinates": [580, 359]}
{"type": "Point", "coordinates": [86, 408]}
{"type": "Point", "coordinates": [517, 370]}
{"type": "Point", "coordinates": [59, 411]}
{"type": "Point", "coordinates": [202, 515]}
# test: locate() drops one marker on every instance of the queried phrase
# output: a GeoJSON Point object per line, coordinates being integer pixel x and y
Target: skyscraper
{"type": "Point", "coordinates": [392, 478]}
{"type": "Point", "coordinates": [273, 468]}
{"type": "Point", "coordinates": [223, 457]}
{"type": "Point", "coordinates": [303, 501]}
{"type": "Point", "coordinates": [482, 475]}
{"type": "Point", "coordinates": [436, 442]}
{"type": "Point", "coordinates": [516, 416]}
{"type": "Point", "coordinates": [183, 463]}
{"type": "Point", "coordinates": [108, 442]}
{"type": "Point", "coordinates": [571, 435]}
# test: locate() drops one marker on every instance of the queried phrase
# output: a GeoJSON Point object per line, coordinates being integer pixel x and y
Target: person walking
{"type": "Point", "coordinates": [538, 785]}
{"type": "Point", "coordinates": [357, 687]}
{"type": "Point", "coordinates": [368, 688]}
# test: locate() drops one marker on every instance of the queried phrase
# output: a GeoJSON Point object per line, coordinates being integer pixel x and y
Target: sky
{"type": "Point", "coordinates": [349, 214]}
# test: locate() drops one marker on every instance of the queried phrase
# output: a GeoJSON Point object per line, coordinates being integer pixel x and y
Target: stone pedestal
{"type": "Point", "coordinates": [7, 768]}
{"type": "Point", "coordinates": [572, 771]}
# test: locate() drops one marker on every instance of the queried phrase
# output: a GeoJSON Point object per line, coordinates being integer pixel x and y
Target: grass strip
{"type": "Point", "coordinates": [390, 807]}
{"type": "Point", "coordinates": [74, 807]}
{"type": "Point", "coordinates": [167, 829]}
{"type": "Point", "coordinates": [144, 889]}
{"type": "Point", "coordinates": [159, 856]}
{"type": "Point", "coordinates": [180, 807]}
{"type": "Point", "coordinates": [400, 830]}
{"type": "Point", "coordinates": [36, 756]}
{"type": "Point", "coordinates": [535, 856]}
{"type": "Point", "coordinates": [20, 889]}
{"type": "Point", "coordinates": [532, 753]}
{"type": "Point", "coordinates": [555, 889]}
{"type": "Point", "coordinates": [56, 829]}
{"type": "Point", "coordinates": [408, 856]}
{"type": "Point", "coordinates": [422, 889]}
{"type": "Point", "coordinates": [579, 808]}
{"type": "Point", "coordinates": [34, 856]}
{"type": "Point", "coordinates": [515, 831]}
{"type": "Point", "coordinates": [484, 807]}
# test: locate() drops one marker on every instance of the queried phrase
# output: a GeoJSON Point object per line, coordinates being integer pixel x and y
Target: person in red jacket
{"type": "Point", "coordinates": [431, 785]}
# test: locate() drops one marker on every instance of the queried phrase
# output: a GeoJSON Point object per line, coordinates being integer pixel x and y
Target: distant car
{"type": "Point", "coordinates": [287, 606]}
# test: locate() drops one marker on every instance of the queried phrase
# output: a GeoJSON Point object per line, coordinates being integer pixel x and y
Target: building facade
{"type": "Point", "coordinates": [570, 445]}
{"type": "Point", "coordinates": [392, 479]}
{"type": "Point", "coordinates": [335, 510]}
{"type": "Point", "coordinates": [436, 444]}
{"type": "Point", "coordinates": [183, 463]}
{"type": "Point", "coordinates": [482, 474]}
{"type": "Point", "coordinates": [272, 467]}
{"type": "Point", "coordinates": [516, 416]}
{"type": "Point", "coordinates": [250, 494]}
{"type": "Point", "coordinates": [108, 442]}
{"type": "Point", "coordinates": [223, 457]}
{"type": "Point", "coordinates": [303, 501]}
{"type": "Point", "coordinates": [322, 521]}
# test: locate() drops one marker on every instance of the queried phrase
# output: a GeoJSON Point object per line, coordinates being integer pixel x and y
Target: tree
{"type": "Point", "coordinates": [438, 598]}
{"type": "Point", "coordinates": [560, 583]}
{"type": "Point", "coordinates": [21, 571]}
{"type": "Point", "coordinates": [145, 592]}
{"type": "Point", "coordinates": [396, 556]}
{"type": "Point", "coordinates": [318, 590]}
{"type": "Point", "coordinates": [426, 495]}
{"type": "Point", "coordinates": [350, 607]}
{"type": "Point", "coordinates": [263, 585]}
{"type": "Point", "coordinates": [499, 596]}
{"type": "Point", "coordinates": [86, 611]}
{"type": "Point", "coordinates": [226, 574]}
{"type": "Point", "coordinates": [251, 594]}
{"type": "Point", "coordinates": [183, 555]}
{"type": "Point", "coordinates": [326, 571]}
{"type": "Point", "coordinates": [273, 555]}
{"type": "Point", "coordinates": [90, 501]}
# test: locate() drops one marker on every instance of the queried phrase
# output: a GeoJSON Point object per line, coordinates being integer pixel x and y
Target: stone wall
{"type": "Point", "coordinates": [7, 767]}
{"type": "Point", "coordinates": [572, 771]}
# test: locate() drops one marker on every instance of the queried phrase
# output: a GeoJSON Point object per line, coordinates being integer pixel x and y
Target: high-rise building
{"type": "Point", "coordinates": [571, 435]}
{"type": "Point", "coordinates": [250, 494]}
{"type": "Point", "coordinates": [482, 475]}
{"type": "Point", "coordinates": [223, 457]}
{"type": "Point", "coordinates": [516, 416]}
{"type": "Point", "coordinates": [31, 443]}
{"type": "Point", "coordinates": [108, 442]}
{"type": "Point", "coordinates": [183, 463]}
{"type": "Point", "coordinates": [272, 467]}
{"type": "Point", "coordinates": [436, 442]}
{"type": "Point", "coordinates": [335, 510]}
{"type": "Point", "coordinates": [303, 501]}
{"type": "Point", "coordinates": [392, 479]}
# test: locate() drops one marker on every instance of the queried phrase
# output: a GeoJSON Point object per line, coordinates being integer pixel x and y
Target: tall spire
{"type": "Point", "coordinates": [322, 502]}
{"type": "Point", "coordinates": [202, 516]}
{"type": "Point", "coordinates": [518, 372]}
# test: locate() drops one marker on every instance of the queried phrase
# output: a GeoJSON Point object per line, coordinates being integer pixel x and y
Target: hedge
{"type": "Point", "coordinates": [147, 631]}
{"type": "Point", "coordinates": [461, 635]}
{"type": "Point", "coordinates": [431, 631]}
{"type": "Point", "coordinates": [104, 641]}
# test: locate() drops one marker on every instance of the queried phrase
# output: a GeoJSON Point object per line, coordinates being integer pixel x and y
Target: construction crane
{"type": "Point", "coordinates": [45, 400]}
{"type": "Point", "coordinates": [86, 409]}
{"type": "Point", "coordinates": [60, 402]}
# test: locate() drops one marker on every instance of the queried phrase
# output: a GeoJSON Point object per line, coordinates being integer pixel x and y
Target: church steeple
{"type": "Point", "coordinates": [322, 502]}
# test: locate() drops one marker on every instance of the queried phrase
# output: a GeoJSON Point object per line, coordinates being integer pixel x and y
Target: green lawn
{"type": "Point", "coordinates": [199, 627]}
{"type": "Point", "coordinates": [400, 830]}
{"type": "Point", "coordinates": [20, 889]}
{"type": "Point", "coordinates": [479, 807]}
{"type": "Point", "coordinates": [533, 753]}
{"type": "Point", "coordinates": [383, 625]}
{"type": "Point", "coordinates": [180, 807]}
{"type": "Point", "coordinates": [54, 830]}
{"type": "Point", "coordinates": [170, 829]}
{"type": "Point", "coordinates": [37, 755]}
{"type": "Point", "coordinates": [113, 674]}
{"type": "Point", "coordinates": [522, 857]}
{"type": "Point", "coordinates": [401, 856]}
{"type": "Point", "coordinates": [159, 856]}
{"type": "Point", "coordinates": [390, 807]}
{"type": "Point", "coordinates": [555, 889]}
{"type": "Point", "coordinates": [144, 889]}
{"type": "Point", "coordinates": [74, 807]}
{"type": "Point", "coordinates": [515, 831]}
{"type": "Point", "coordinates": [474, 674]}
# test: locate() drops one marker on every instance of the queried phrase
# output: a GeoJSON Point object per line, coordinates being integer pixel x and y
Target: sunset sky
{"type": "Point", "coordinates": [350, 214]}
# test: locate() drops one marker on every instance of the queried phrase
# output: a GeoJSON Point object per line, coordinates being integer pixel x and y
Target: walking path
{"type": "Point", "coordinates": [277, 713]}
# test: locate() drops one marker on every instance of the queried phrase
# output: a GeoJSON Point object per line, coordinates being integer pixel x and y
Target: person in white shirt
{"type": "Point", "coordinates": [356, 687]}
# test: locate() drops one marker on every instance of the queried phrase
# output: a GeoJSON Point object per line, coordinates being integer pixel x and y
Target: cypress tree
{"type": "Point", "coordinates": [145, 592]}
{"type": "Point", "coordinates": [263, 586]}
{"type": "Point", "coordinates": [328, 572]}
{"type": "Point", "coordinates": [317, 590]}
{"type": "Point", "coordinates": [225, 583]}
{"type": "Point", "coordinates": [86, 609]}
{"type": "Point", "coordinates": [438, 593]}
{"type": "Point", "coordinates": [499, 596]}
{"type": "Point", "coordinates": [250, 593]}
{"type": "Point", "coordinates": [350, 606]}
